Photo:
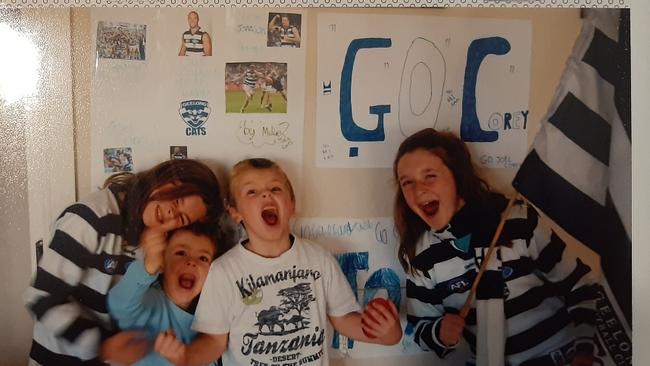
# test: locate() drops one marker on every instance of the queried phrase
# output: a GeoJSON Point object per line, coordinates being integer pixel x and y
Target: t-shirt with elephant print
{"type": "Point", "coordinates": [274, 309]}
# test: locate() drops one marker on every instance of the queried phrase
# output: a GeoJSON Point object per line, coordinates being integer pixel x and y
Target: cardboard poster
{"type": "Point", "coordinates": [383, 77]}
{"type": "Point", "coordinates": [366, 249]}
{"type": "Point", "coordinates": [183, 93]}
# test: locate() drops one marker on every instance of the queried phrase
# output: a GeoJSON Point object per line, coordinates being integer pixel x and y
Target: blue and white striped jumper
{"type": "Point", "coordinates": [194, 42]}
{"type": "Point", "coordinates": [549, 294]}
{"type": "Point", "coordinates": [84, 258]}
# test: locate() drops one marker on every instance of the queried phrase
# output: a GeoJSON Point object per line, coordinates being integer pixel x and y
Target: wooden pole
{"type": "Point", "coordinates": [468, 302]}
{"type": "Point", "coordinates": [472, 292]}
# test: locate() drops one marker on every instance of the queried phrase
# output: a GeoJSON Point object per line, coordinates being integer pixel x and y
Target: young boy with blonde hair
{"type": "Point", "coordinates": [267, 301]}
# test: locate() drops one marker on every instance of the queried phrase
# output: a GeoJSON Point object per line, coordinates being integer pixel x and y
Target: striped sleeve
{"type": "Point", "coordinates": [572, 279]}
{"type": "Point", "coordinates": [68, 304]}
{"type": "Point", "coordinates": [424, 313]}
{"type": "Point", "coordinates": [58, 277]}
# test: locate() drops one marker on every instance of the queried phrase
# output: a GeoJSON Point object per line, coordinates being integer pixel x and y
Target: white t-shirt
{"type": "Point", "coordinates": [275, 309]}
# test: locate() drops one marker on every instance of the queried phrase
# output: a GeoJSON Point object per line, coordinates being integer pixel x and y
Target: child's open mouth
{"type": "Point", "coordinates": [430, 208]}
{"type": "Point", "coordinates": [270, 216]}
{"type": "Point", "coordinates": [186, 281]}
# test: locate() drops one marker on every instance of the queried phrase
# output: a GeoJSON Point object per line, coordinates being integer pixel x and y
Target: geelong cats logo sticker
{"type": "Point", "coordinates": [458, 284]}
{"type": "Point", "coordinates": [110, 265]}
{"type": "Point", "coordinates": [194, 113]}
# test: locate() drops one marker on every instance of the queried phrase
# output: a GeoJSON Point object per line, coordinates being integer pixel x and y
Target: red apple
{"type": "Point", "coordinates": [378, 301]}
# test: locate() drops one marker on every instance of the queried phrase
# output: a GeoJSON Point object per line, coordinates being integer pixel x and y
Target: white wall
{"type": "Point", "coordinates": [640, 179]}
{"type": "Point", "coordinates": [37, 171]}
{"type": "Point", "coordinates": [14, 274]}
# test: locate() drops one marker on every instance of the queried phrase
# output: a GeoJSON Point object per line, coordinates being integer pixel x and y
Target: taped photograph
{"type": "Point", "coordinates": [256, 87]}
{"type": "Point", "coordinates": [123, 41]}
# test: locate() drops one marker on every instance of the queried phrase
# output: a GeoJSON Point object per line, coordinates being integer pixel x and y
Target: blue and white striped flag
{"type": "Point", "coordinates": [579, 169]}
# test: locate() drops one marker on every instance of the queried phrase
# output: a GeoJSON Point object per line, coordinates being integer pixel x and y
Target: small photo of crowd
{"type": "Point", "coordinates": [256, 87]}
{"type": "Point", "coordinates": [119, 40]}
{"type": "Point", "coordinates": [284, 30]}
{"type": "Point", "coordinates": [118, 159]}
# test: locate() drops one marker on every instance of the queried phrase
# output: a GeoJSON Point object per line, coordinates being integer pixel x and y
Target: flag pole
{"type": "Point", "coordinates": [468, 302]}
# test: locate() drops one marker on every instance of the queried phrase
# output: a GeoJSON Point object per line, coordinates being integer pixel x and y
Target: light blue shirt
{"type": "Point", "coordinates": [138, 302]}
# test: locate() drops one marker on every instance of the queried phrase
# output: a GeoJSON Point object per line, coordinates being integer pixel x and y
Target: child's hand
{"type": "Point", "coordinates": [153, 242]}
{"type": "Point", "coordinates": [582, 359]}
{"type": "Point", "coordinates": [380, 320]}
{"type": "Point", "coordinates": [168, 346]}
{"type": "Point", "coordinates": [124, 348]}
{"type": "Point", "coordinates": [451, 329]}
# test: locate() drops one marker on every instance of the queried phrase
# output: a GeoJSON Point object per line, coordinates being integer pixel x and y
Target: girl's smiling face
{"type": "Point", "coordinates": [428, 187]}
{"type": "Point", "coordinates": [175, 213]}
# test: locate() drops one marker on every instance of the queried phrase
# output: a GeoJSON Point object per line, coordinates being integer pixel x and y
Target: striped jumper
{"type": "Point", "coordinates": [194, 42]}
{"type": "Point", "coordinates": [85, 257]}
{"type": "Point", "coordinates": [549, 294]}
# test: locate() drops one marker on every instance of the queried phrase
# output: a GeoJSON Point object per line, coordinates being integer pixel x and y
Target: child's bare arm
{"type": "Point", "coordinates": [350, 326]}
{"type": "Point", "coordinates": [153, 243]}
{"type": "Point", "coordinates": [204, 349]}
{"type": "Point", "coordinates": [124, 348]}
{"type": "Point", "coordinates": [382, 325]}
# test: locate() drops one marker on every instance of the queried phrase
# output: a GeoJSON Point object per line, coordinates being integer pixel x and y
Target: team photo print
{"type": "Point", "coordinates": [119, 40]}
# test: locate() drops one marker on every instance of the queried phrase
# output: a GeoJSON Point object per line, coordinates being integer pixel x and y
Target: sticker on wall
{"type": "Point", "coordinates": [256, 87]}
{"type": "Point", "coordinates": [118, 159]}
{"type": "Point", "coordinates": [119, 40]}
{"type": "Point", "coordinates": [195, 113]}
{"type": "Point", "coordinates": [196, 41]}
{"type": "Point", "coordinates": [284, 30]}
{"type": "Point", "coordinates": [177, 152]}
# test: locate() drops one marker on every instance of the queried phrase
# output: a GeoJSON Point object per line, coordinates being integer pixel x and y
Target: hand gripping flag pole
{"type": "Point", "coordinates": [472, 292]}
{"type": "Point", "coordinates": [470, 297]}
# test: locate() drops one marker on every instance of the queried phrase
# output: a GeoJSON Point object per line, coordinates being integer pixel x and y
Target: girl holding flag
{"type": "Point", "coordinates": [535, 302]}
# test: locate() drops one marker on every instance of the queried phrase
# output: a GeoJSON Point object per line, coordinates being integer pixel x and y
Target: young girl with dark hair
{"type": "Point", "coordinates": [535, 304]}
{"type": "Point", "coordinates": [92, 242]}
